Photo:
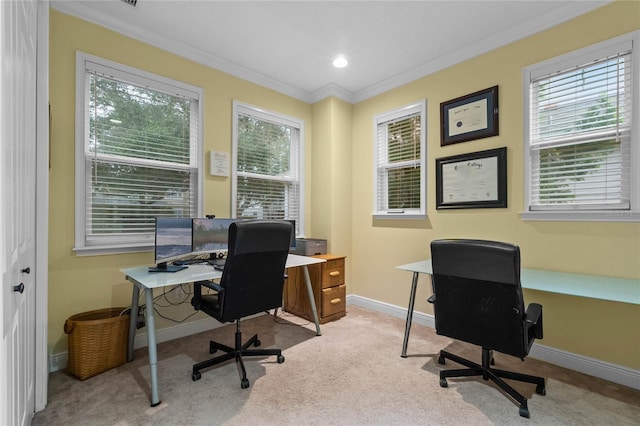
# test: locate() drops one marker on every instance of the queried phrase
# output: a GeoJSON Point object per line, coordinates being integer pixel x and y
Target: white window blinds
{"type": "Point", "coordinates": [267, 166]}
{"type": "Point", "coordinates": [399, 158]}
{"type": "Point", "coordinates": [580, 135]}
{"type": "Point", "coordinates": [140, 155]}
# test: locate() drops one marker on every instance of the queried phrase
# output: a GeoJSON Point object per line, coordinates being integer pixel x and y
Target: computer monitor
{"type": "Point", "coordinates": [210, 235]}
{"type": "Point", "coordinates": [173, 237]}
{"type": "Point", "coordinates": [292, 243]}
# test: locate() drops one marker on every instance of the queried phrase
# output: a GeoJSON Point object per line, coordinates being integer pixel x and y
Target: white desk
{"type": "Point", "coordinates": [623, 290]}
{"type": "Point", "coordinates": [142, 279]}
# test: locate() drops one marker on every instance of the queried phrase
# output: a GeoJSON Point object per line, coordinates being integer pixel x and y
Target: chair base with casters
{"type": "Point", "coordinates": [488, 373]}
{"type": "Point", "coordinates": [252, 281]}
{"type": "Point", "coordinates": [240, 350]}
{"type": "Point", "coordinates": [477, 297]}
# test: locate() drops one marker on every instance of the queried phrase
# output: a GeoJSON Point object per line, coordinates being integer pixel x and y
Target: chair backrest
{"type": "Point", "coordinates": [478, 296]}
{"type": "Point", "coordinates": [253, 275]}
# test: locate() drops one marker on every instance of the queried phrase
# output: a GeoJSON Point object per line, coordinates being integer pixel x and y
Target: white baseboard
{"type": "Point", "coordinates": [59, 361]}
{"type": "Point", "coordinates": [603, 370]}
{"type": "Point", "coordinates": [593, 367]}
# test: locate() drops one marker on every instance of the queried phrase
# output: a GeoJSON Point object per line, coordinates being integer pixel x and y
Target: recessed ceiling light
{"type": "Point", "coordinates": [340, 62]}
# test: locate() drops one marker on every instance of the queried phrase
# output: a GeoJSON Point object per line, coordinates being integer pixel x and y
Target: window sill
{"type": "Point", "coordinates": [399, 216]}
{"type": "Point", "coordinates": [583, 216]}
{"type": "Point", "coordinates": [108, 250]}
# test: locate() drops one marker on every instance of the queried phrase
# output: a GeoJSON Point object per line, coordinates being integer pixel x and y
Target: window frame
{"type": "Point", "coordinates": [138, 77]}
{"type": "Point", "coordinates": [419, 107]}
{"type": "Point", "coordinates": [579, 58]}
{"type": "Point", "coordinates": [242, 108]}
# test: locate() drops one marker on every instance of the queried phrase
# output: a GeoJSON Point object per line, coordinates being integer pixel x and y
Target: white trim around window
{"type": "Point", "coordinates": [261, 165]}
{"type": "Point", "coordinates": [127, 148]}
{"type": "Point", "coordinates": [556, 134]}
{"type": "Point", "coordinates": [406, 198]}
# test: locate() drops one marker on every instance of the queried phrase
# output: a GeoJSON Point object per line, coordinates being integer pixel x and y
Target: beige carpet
{"type": "Point", "coordinates": [351, 375]}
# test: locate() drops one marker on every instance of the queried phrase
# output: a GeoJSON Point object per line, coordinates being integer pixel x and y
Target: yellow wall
{"type": "Point", "coordinates": [604, 330]}
{"type": "Point", "coordinates": [78, 284]}
{"type": "Point", "coordinates": [332, 182]}
{"type": "Point", "coordinates": [339, 184]}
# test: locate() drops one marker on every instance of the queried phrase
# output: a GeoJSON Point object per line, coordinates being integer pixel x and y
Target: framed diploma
{"type": "Point", "coordinates": [470, 181]}
{"type": "Point", "coordinates": [469, 117]}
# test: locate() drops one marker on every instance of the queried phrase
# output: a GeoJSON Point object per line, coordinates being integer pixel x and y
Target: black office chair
{"type": "Point", "coordinates": [252, 282]}
{"type": "Point", "coordinates": [478, 299]}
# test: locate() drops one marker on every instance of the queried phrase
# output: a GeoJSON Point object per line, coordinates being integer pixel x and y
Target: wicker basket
{"type": "Point", "coordinates": [97, 341]}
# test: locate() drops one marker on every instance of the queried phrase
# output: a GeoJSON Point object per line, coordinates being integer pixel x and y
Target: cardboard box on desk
{"type": "Point", "coordinates": [310, 246]}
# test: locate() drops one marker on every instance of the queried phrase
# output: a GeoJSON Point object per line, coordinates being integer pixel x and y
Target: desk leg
{"type": "Point", "coordinates": [153, 353]}
{"type": "Point", "coordinates": [412, 301]}
{"type": "Point", "coordinates": [133, 319]}
{"type": "Point", "coordinates": [312, 300]}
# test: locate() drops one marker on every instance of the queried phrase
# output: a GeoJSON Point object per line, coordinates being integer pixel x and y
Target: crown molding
{"type": "Point", "coordinates": [535, 25]}
{"type": "Point", "coordinates": [531, 27]}
{"type": "Point", "coordinates": [332, 90]}
{"type": "Point", "coordinates": [180, 49]}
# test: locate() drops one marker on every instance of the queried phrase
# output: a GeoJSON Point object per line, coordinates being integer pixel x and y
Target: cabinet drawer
{"type": "Point", "coordinates": [333, 300]}
{"type": "Point", "coordinates": [333, 273]}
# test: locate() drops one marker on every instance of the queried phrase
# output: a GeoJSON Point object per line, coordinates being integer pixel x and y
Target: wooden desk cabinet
{"type": "Point", "coordinates": [329, 290]}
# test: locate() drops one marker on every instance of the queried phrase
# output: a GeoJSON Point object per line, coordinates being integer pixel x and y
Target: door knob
{"type": "Point", "coordinates": [19, 288]}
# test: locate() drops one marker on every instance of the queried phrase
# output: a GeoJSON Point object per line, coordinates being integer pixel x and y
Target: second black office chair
{"type": "Point", "coordinates": [252, 282]}
{"type": "Point", "coordinates": [478, 299]}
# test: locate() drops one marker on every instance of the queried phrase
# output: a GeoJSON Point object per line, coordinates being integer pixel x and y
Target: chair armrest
{"type": "Point", "coordinates": [211, 285]}
{"type": "Point", "coordinates": [197, 291]}
{"type": "Point", "coordinates": [533, 318]}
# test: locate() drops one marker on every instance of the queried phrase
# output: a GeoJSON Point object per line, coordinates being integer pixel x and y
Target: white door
{"type": "Point", "coordinates": [18, 48]}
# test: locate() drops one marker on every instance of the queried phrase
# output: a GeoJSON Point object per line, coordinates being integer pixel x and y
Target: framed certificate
{"type": "Point", "coordinates": [469, 117]}
{"type": "Point", "coordinates": [470, 181]}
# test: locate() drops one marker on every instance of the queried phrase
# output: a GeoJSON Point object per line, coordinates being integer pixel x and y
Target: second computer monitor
{"type": "Point", "coordinates": [210, 235]}
{"type": "Point", "coordinates": [292, 243]}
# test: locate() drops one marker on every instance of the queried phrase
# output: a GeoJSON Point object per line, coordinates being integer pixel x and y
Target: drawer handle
{"type": "Point", "coordinates": [336, 301]}
{"type": "Point", "coordinates": [334, 273]}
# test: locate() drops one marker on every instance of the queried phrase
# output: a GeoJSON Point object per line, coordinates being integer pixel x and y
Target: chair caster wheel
{"type": "Point", "coordinates": [244, 383]}
{"type": "Point", "coordinates": [541, 390]}
{"type": "Point", "coordinates": [280, 359]}
{"type": "Point", "coordinates": [441, 360]}
{"type": "Point", "coordinates": [443, 383]}
{"type": "Point", "coordinates": [524, 412]}
{"type": "Point", "coordinates": [212, 349]}
{"type": "Point", "coordinates": [196, 376]}
{"type": "Point", "coordinates": [257, 343]}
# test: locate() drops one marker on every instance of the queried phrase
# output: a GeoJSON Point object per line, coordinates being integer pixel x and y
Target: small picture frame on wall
{"type": "Point", "coordinates": [469, 117]}
{"type": "Point", "coordinates": [473, 180]}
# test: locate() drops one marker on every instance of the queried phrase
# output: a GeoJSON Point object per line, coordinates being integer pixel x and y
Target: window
{"type": "Point", "coordinates": [137, 155]}
{"type": "Point", "coordinates": [267, 165]}
{"type": "Point", "coordinates": [581, 149]}
{"type": "Point", "coordinates": [400, 172]}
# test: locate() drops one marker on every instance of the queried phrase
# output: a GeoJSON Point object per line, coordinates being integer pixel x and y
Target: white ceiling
{"type": "Point", "coordinates": [289, 45]}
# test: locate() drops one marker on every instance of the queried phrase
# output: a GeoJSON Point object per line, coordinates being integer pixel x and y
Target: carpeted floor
{"type": "Point", "coordinates": [351, 375]}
